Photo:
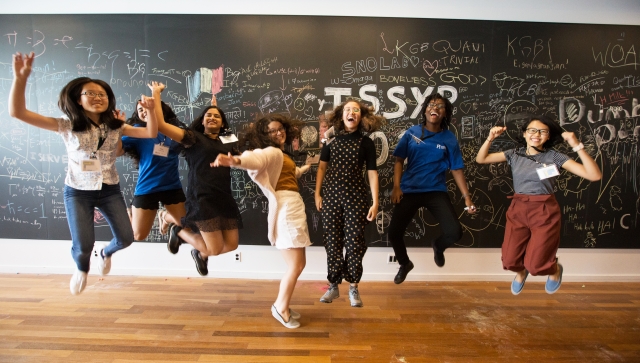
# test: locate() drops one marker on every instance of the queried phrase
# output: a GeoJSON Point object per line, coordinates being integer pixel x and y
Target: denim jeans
{"type": "Point", "coordinates": [80, 205]}
{"type": "Point", "coordinates": [439, 204]}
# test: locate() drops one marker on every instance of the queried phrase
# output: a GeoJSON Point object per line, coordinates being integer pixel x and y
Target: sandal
{"type": "Point", "coordinates": [164, 225]}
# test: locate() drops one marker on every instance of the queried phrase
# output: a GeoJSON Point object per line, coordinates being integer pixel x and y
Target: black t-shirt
{"type": "Point", "coordinates": [367, 152]}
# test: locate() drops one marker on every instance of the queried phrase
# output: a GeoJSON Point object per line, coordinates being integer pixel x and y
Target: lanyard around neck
{"type": "Point", "coordinates": [101, 138]}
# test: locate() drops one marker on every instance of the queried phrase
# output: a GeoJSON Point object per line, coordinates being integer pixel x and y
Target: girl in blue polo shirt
{"type": "Point", "coordinates": [158, 177]}
{"type": "Point", "coordinates": [430, 150]}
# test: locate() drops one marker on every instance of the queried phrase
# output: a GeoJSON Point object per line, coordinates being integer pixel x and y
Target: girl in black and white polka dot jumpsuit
{"type": "Point", "coordinates": [343, 199]}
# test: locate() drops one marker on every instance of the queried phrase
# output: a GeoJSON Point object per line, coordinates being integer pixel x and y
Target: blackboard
{"type": "Point", "coordinates": [585, 76]}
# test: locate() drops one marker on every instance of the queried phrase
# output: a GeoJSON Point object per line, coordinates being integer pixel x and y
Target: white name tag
{"type": "Point", "coordinates": [547, 171]}
{"type": "Point", "coordinates": [227, 139]}
{"type": "Point", "coordinates": [90, 165]}
{"type": "Point", "coordinates": [160, 150]}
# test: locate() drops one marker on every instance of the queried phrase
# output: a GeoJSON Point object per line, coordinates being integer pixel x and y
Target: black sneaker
{"type": "Point", "coordinates": [403, 271]}
{"type": "Point", "coordinates": [174, 240]}
{"type": "Point", "coordinates": [438, 257]}
{"type": "Point", "coordinates": [201, 265]}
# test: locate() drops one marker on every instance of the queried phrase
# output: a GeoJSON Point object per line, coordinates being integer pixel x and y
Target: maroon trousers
{"type": "Point", "coordinates": [532, 234]}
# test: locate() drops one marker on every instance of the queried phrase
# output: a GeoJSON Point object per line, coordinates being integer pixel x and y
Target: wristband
{"type": "Point", "coordinates": [579, 147]}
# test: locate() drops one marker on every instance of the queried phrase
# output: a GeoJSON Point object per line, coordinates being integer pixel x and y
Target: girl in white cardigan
{"type": "Point", "coordinates": [276, 174]}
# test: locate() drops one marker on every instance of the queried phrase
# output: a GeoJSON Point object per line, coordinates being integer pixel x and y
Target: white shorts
{"type": "Point", "coordinates": [291, 221]}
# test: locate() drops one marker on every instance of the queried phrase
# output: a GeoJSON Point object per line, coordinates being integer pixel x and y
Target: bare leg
{"type": "Point", "coordinates": [175, 213]}
{"type": "Point", "coordinates": [520, 276]}
{"type": "Point", "coordinates": [211, 243]}
{"type": "Point", "coordinates": [296, 260]}
{"type": "Point", "coordinates": [556, 276]}
{"type": "Point", "coordinates": [142, 221]}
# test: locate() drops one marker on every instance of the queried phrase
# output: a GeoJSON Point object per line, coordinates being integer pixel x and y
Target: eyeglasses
{"type": "Point", "coordinates": [352, 110]}
{"type": "Point", "coordinates": [532, 131]}
{"type": "Point", "coordinates": [438, 106]}
{"type": "Point", "coordinates": [275, 131]}
{"type": "Point", "coordinates": [94, 95]}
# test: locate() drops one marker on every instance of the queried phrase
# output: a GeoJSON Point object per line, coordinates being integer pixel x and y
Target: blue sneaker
{"type": "Point", "coordinates": [552, 286]}
{"type": "Point", "coordinates": [516, 287]}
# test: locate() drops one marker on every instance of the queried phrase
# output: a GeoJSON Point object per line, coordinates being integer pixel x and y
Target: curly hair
{"type": "Point", "coordinates": [448, 107]}
{"type": "Point", "coordinates": [257, 136]}
{"type": "Point", "coordinates": [555, 131]}
{"type": "Point", "coordinates": [369, 122]}
{"type": "Point", "coordinates": [68, 103]}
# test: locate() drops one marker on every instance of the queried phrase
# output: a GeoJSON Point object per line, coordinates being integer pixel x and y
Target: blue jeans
{"type": "Point", "coordinates": [80, 205]}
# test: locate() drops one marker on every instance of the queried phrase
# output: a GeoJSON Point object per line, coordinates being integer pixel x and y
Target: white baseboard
{"type": "Point", "coordinates": [265, 262]}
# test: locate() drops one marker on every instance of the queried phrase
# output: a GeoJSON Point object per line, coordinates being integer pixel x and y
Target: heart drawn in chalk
{"type": "Point", "coordinates": [465, 107]}
{"type": "Point", "coordinates": [429, 67]}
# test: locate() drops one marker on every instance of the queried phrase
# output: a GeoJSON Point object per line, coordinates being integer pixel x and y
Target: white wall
{"type": "Point", "coordinates": [34, 256]}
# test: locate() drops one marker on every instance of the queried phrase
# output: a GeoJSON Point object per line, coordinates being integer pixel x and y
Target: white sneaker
{"type": "Point", "coordinates": [104, 263]}
{"type": "Point", "coordinates": [291, 324]}
{"type": "Point", "coordinates": [78, 282]}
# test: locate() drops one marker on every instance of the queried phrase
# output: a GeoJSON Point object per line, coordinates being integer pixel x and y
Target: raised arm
{"type": "Point", "coordinates": [483, 154]}
{"type": "Point", "coordinates": [588, 169]}
{"type": "Point", "coordinates": [322, 171]}
{"type": "Point", "coordinates": [151, 129]}
{"type": "Point", "coordinates": [17, 104]}
{"type": "Point", "coordinates": [171, 131]}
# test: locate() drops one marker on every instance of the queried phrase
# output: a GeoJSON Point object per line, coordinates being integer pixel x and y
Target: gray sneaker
{"type": "Point", "coordinates": [354, 297]}
{"type": "Point", "coordinates": [332, 293]}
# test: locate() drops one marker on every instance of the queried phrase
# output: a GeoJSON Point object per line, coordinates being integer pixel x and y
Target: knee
{"type": "Point", "coordinates": [140, 236]}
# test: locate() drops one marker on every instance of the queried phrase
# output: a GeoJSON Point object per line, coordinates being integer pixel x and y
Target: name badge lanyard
{"type": "Point", "coordinates": [532, 159]}
{"type": "Point", "coordinates": [101, 140]}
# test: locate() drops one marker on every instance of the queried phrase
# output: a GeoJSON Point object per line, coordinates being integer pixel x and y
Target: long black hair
{"type": "Point", "coordinates": [167, 113]}
{"type": "Point", "coordinates": [169, 117]}
{"type": "Point", "coordinates": [197, 125]}
{"type": "Point", "coordinates": [448, 107]}
{"type": "Point", "coordinates": [68, 103]}
{"type": "Point", "coordinates": [257, 136]}
{"type": "Point", "coordinates": [555, 131]}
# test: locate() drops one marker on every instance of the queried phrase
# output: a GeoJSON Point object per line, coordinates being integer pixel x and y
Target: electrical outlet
{"type": "Point", "coordinates": [238, 256]}
{"type": "Point", "coordinates": [391, 259]}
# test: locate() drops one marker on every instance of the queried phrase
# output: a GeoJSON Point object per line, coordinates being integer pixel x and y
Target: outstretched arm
{"type": "Point", "coordinates": [589, 168]}
{"type": "Point", "coordinates": [151, 129]}
{"type": "Point", "coordinates": [17, 104]}
{"type": "Point", "coordinates": [483, 154]}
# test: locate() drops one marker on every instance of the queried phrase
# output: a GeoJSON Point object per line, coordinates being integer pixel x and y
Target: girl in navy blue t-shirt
{"type": "Point", "coordinates": [158, 176]}
{"type": "Point", "coordinates": [430, 150]}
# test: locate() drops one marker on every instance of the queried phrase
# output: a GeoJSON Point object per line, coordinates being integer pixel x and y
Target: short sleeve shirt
{"type": "Point", "coordinates": [366, 154]}
{"type": "Point", "coordinates": [80, 146]}
{"type": "Point", "coordinates": [523, 169]}
{"type": "Point", "coordinates": [429, 155]}
{"type": "Point", "coordinates": [156, 173]}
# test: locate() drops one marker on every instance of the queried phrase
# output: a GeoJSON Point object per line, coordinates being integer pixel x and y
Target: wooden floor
{"type": "Point", "coordinates": [134, 319]}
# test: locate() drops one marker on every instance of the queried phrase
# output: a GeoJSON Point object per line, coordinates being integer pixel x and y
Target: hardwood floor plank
{"type": "Point", "coordinates": [134, 319]}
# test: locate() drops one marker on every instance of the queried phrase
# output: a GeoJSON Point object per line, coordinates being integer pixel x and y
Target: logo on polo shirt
{"type": "Point", "coordinates": [438, 146]}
